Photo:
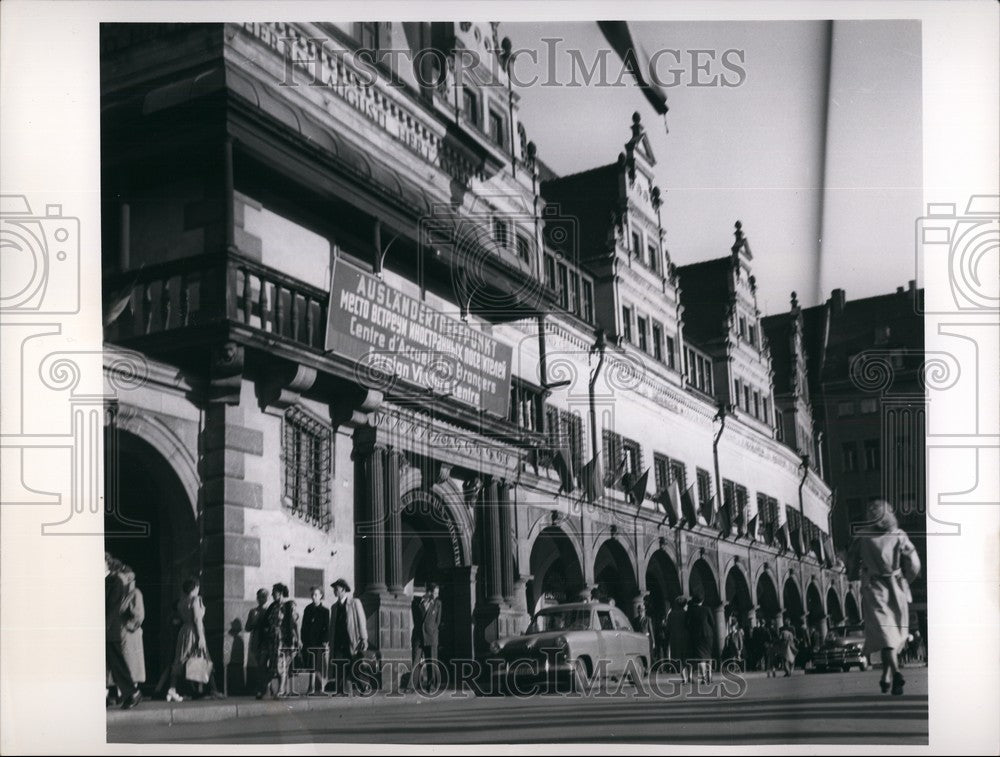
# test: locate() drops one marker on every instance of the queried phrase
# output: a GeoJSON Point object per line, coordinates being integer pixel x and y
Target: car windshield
{"type": "Point", "coordinates": [560, 620]}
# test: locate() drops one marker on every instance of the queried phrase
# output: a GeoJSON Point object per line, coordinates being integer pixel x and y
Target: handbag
{"type": "Point", "coordinates": [198, 668]}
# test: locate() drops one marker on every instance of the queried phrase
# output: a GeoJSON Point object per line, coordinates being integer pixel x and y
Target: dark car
{"type": "Point", "coordinates": [843, 649]}
{"type": "Point", "coordinates": [570, 641]}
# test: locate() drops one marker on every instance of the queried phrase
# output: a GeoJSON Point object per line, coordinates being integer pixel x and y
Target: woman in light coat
{"type": "Point", "coordinates": [133, 614]}
{"type": "Point", "coordinates": [884, 559]}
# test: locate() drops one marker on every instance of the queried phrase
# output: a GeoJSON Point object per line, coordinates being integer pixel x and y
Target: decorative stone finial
{"type": "Point", "coordinates": [795, 301]}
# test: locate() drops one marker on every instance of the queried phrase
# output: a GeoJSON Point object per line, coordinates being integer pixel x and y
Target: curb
{"type": "Point", "coordinates": [160, 713]}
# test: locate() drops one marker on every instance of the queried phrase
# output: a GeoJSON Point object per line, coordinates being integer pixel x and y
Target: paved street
{"type": "Point", "coordinates": [830, 708]}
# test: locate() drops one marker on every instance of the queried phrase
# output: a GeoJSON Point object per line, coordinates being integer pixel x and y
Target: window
{"type": "Point", "coordinates": [670, 352]}
{"type": "Point", "coordinates": [574, 293]}
{"type": "Point", "coordinates": [627, 323]}
{"type": "Point", "coordinates": [641, 331]}
{"type": "Point", "coordinates": [550, 272]}
{"type": "Point", "coordinates": [743, 327]}
{"type": "Point", "coordinates": [765, 417]}
{"type": "Point", "coordinates": [604, 620]}
{"type": "Point", "coordinates": [306, 454]}
{"type": "Point", "coordinates": [742, 497]}
{"type": "Point", "coordinates": [849, 457]}
{"type": "Point", "coordinates": [366, 33]}
{"type": "Point", "coordinates": [756, 404]}
{"type": "Point", "coordinates": [746, 398]}
{"type": "Point", "coordinates": [470, 106]}
{"type": "Point", "coordinates": [729, 499]}
{"type": "Point", "coordinates": [845, 409]}
{"type": "Point", "coordinates": [564, 429]}
{"type": "Point", "coordinates": [653, 257]}
{"type": "Point", "coordinates": [588, 302]}
{"type": "Point", "coordinates": [523, 248]}
{"type": "Point", "coordinates": [661, 472]}
{"type": "Point", "coordinates": [704, 486]}
{"type": "Point", "coordinates": [657, 341]}
{"type": "Point", "coordinates": [752, 334]}
{"type": "Point", "coordinates": [678, 473]}
{"type": "Point", "coordinates": [779, 425]}
{"type": "Point", "coordinates": [525, 407]}
{"type": "Point", "coordinates": [872, 456]}
{"type": "Point", "coordinates": [496, 129]}
{"type": "Point", "coordinates": [869, 406]}
{"type": "Point", "coordinates": [563, 287]}
{"type": "Point", "coordinates": [500, 231]}
{"type": "Point", "coordinates": [621, 456]}
{"type": "Point", "coordinates": [637, 244]}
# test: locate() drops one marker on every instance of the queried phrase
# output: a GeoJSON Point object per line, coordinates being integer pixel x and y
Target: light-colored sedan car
{"type": "Point", "coordinates": [567, 642]}
{"type": "Point", "coordinates": [843, 649]}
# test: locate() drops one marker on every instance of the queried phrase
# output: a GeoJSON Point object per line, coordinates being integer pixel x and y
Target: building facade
{"type": "Point", "coordinates": [381, 340]}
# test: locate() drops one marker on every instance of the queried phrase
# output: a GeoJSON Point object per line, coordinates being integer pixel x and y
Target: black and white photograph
{"type": "Point", "coordinates": [623, 376]}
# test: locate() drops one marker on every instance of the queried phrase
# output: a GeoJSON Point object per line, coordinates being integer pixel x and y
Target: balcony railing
{"type": "Point", "coordinates": [208, 289]}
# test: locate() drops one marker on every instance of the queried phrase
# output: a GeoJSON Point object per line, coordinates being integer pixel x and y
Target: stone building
{"type": "Point", "coordinates": [381, 340]}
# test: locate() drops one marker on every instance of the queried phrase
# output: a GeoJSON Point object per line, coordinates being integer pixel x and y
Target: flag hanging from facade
{"type": "Point", "coordinates": [591, 476]}
{"type": "Point", "coordinates": [688, 508]}
{"type": "Point", "coordinates": [637, 61]}
{"type": "Point", "coordinates": [752, 527]}
{"type": "Point", "coordinates": [637, 491]}
{"type": "Point", "coordinates": [830, 554]}
{"type": "Point", "coordinates": [725, 521]}
{"type": "Point", "coordinates": [562, 461]}
{"type": "Point", "coordinates": [670, 498]}
{"type": "Point", "coordinates": [707, 510]}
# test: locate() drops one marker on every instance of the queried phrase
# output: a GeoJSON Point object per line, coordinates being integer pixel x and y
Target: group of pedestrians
{"type": "Point", "coordinates": [686, 635]}
{"type": "Point", "coordinates": [124, 613]}
{"type": "Point", "coordinates": [327, 645]}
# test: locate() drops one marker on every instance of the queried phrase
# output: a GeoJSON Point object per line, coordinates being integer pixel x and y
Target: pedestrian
{"type": "Point", "coordinates": [644, 624]}
{"type": "Point", "coordinates": [425, 637]}
{"type": "Point", "coordinates": [759, 643]}
{"type": "Point", "coordinates": [191, 660]}
{"type": "Point", "coordinates": [315, 637]}
{"type": "Point", "coordinates": [734, 647]}
{"type": "Point", "coordinates": [678, 638]}
{"type": "Point", "coordinates": [804, 644]}
{"type": "Point", "coordinates": [701, 629]}
{"type": "Point", "coordinates": [885, 561]}
{"type": "Point", "coordinates": [133, 615]}
{"type": "Point", "coordinates": [281, 635]}
{"type": "Point", "coordinates": [256, 620]}
{"type": "Point", "coordinates": [114, 626]}
{"type": "Point", "coordinates": [787, 647]}
{"type": "Point", "coordinates": [348, 634]}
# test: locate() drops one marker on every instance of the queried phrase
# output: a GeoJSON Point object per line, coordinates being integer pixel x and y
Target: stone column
{"type": "Point", "coordinates": [505, 522]}
{"type": "Point", "coordinates": [370, 511]}
{"type": "Point", "coordinates": [491, 541]}
{"type": "Point", "coordinates": [394, 522]}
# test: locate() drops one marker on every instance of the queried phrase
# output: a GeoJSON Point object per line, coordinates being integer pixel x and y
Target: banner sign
{"type": "Point", "coordinates": [395, 337]}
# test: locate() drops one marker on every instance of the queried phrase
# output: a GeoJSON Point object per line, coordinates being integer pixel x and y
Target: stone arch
{"type": "Point", "coordinates": [556, 568]}
{"type": "Point", "coordinates": [615, 574]}
{"type": "Point", "coordinates": [852, 610]}
{"type": "Point", "coordinates": [815, 607]}
{"type": "Point", "coordinates": [768, 601]}
{"type": "Point", "coordinates": [663, 582]}
{"type": "Point", "coordinates": [702, 577]}
{"type": "Point", "coordinates": [552, 519]}
{"type": "Point", "coordinates": [833, 607]}
{"type": "Point", "coordinates": [791, 598]}
{"type": "Point", "coordinates": [739, 600]}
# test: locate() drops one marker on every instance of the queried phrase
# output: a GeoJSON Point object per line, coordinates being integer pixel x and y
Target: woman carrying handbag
{"type": "Point", "coordinates": [191, 659]}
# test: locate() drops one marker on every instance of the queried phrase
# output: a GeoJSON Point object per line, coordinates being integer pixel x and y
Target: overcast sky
{"type": "Point", "coordinates": [755, 152]}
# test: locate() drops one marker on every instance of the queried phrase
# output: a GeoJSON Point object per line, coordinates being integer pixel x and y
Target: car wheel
{"type": "Point", "coordinates": [847, 668]}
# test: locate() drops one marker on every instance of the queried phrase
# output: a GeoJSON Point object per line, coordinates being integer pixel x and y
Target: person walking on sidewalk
{"type": "Point", "coordinates": [315, 637]}
{"type": "Point", "coordinates": [348, 634]}
{"type": "Point", "coordinates": [644, 624]}
{"type": "Point", "coordinates": [281, 629]}
{"type": "Point", "coordinates": [884, 559]}
{"type": "Point", "coordinates": [678, 637]}
{"type": "Point", "coordinates": [256, 621]}
{"type": "Point", "coordinates": [115, 595]}
{"type": "Point", "coordinates": [191, 659]}
{"type": "Point", "coordinates": [787, 647]}
{"type": "Point", "coordinates": [701, 628]}
{"type": "Point", "coordinates": [133, 615]}
{"type": "Point", "coordinates": [426, 625]}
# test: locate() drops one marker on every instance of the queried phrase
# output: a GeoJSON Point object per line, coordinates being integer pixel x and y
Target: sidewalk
{"type": "Point", "coordinates": [160, 712]}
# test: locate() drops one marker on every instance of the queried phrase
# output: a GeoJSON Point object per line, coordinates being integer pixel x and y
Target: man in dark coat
{"type": "Point", "coordinates": [426, 625]}
{"type": "Point", "coordinates": [114, 657]}
{"type": "Point", "coordinates": [644, 624]}
{"type": "Point", "coordinates": [701, 628]}
{"type": "Point", "coordinates": [315, 637]}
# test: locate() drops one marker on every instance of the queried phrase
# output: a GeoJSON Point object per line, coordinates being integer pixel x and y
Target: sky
{"type": "Point", "coordinates": [828, 188]}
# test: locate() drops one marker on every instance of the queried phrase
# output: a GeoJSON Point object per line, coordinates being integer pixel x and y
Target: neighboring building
{"type": "Point", "coordinates": [368, 319]}
{"type": "Point", "coordinates": [870, 407]}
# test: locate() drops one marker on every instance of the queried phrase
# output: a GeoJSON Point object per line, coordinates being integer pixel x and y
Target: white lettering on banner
{"type": "Point", "coordinates": [396, 335]}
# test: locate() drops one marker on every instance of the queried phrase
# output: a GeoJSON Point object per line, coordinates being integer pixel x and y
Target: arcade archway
{"type": "Point", "coordinates": [555, 568]}
{"type": "Point", "coordinates": [663, 583]}
{"type": "Point", "coordinates": [614, 576]}
{"type": "Point", "coordinates": [768, 606]}
{"type": "Point", "coordinates": [833, 608]}
{"type": "Point", "coordinates": [738, 600]}
{"type": "Point", "coordinates": [432, 553]}
{"type": "Point", "coordinates": [143, 489]}
{"type": "Point", "coordinates": [851, 612]}
{"type": "Point", "coordinates": [702, 580]}
{"type": "Point", "coordinates": [793, 602]}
